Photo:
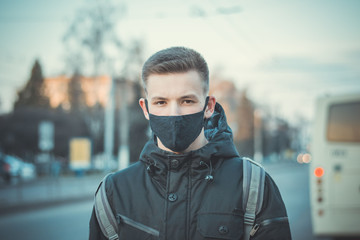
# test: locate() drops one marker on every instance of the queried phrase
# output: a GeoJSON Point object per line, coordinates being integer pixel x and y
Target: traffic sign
{"type": "Point", "coordinates": [46, 136]}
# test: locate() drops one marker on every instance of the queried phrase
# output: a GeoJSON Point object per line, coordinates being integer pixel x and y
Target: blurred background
{"type": "Point", "coordinates": [70, 84]}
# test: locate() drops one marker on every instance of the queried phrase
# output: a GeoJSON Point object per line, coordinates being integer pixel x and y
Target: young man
{"type": "Point", "coordinates": [188, 183]}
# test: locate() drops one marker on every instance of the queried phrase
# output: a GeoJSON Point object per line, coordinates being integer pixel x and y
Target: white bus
{"type": "Point", "coordinates": [335, 167]}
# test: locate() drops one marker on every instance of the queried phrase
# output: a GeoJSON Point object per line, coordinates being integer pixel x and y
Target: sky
{"type": "Point", "coordinates": [285, 53]}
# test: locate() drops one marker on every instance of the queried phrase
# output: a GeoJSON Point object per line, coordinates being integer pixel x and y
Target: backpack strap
{"type": "Point", "coordinates": [104, 214]}
{"type": "Point", "coordinates": [253, 193]}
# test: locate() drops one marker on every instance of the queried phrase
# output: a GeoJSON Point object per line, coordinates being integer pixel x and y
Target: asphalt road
{"type": "Point", "coordinates": [70, 221]}
{"type": "Point", "coordinates": [293, 183]}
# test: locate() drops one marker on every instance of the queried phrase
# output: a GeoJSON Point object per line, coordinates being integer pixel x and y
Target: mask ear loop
{"type": "Point", "coordinates": [206, 103]}
{"type": "Point", "coordinates": [146, 105]}
{"type": "Point", "coordinates": [147, 109]}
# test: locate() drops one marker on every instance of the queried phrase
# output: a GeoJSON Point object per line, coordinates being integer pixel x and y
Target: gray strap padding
{"type": "Point", "coordinates": [104, 214]}
{"type": "Point", "coordinates": [253, 193]}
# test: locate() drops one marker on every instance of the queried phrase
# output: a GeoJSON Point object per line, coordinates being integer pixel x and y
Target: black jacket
{"type": "Point", "coordinates": [169, 194]}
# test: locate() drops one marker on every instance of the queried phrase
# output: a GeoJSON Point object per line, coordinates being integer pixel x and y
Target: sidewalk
{"type": "Point", "coordinates": [46, 192]}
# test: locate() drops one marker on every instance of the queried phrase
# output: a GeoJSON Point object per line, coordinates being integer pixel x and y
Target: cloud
{"type": "Point", "coordinates": [300, 64]}
{"type": "Point", "coordinates": [353, 55]}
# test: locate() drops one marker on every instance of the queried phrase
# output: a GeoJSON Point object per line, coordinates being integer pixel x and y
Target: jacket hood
{"type": "Point", "coordinates": [220, 143]}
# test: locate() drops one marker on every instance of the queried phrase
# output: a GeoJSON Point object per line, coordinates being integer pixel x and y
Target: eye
{"type": "Point", "coordinates": [160, 103]}
{"type": "Point", "coordinates": [188, 101]}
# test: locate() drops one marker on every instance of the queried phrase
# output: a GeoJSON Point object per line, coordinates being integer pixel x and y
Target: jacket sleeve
{"type": "Point", "coordinates": [95, 231]}
{"type": "Point", "coordinates": [272, 219]}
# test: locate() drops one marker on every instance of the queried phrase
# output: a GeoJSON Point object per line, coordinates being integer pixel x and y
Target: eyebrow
{"type": "Point", "coordinates": [189, 96]}
{"type": "Point", "coordinates": [157, 98]}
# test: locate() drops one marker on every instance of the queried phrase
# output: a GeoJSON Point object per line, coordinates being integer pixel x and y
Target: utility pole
{"type": "Point", "coordinates": [109, 127]}
{"type": "Point", "coordinates": [258, 156]}
{"type": "Point", "coordinates": [124, 152]}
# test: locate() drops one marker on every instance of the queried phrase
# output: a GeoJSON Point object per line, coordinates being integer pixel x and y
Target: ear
{"type": "Point", "coordinates": [210, 107]}
{"type": "Point", "coordinates": [143, 107]}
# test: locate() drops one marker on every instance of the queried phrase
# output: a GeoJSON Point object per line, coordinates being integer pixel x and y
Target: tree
{"type": "Point", "coordinates": [245, 126]}
{"type": "Point", "coordinates": [92, 34]}
{"type": "Point", "coordinates": [19, 131]}
{"type": "Point", "coordinates": [76, 94]}
{"type": "Point", "coordinates": [33, 93]}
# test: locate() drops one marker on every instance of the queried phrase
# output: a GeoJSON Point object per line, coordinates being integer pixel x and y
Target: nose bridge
{"type": "Point", "coordinates": [174, 108]}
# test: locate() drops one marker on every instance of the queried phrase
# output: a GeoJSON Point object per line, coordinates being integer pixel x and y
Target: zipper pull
{"type": "Point", "coordinates": [254, 229]}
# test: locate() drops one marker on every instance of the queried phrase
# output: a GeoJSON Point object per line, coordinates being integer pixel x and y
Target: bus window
{"type": "Point", "coordinates": [344, 122]}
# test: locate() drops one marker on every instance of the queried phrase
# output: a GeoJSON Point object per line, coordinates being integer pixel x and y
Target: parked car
{"type": "Point", "coordinates": [14, 168]}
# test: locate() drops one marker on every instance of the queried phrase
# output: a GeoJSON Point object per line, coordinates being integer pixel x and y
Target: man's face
{"type": "Point", "coordinates": [175, 94]}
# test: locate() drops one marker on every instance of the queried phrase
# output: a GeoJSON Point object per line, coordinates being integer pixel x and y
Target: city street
{"type": "Point", "coordinates": [89, 87]}
{"type": "Point", "coordinates": [293, 183]}
{"type": "Point", "coordinates": [70, 221]}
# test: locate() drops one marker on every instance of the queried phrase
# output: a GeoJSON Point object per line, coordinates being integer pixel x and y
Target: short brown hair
{"type": "Point", "coordinates": [176, 60]}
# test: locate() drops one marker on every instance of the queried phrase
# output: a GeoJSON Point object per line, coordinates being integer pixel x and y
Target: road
{"type": "Point", "coordinates": [293, 183]}
{"type": "Point", "coordinates": [70, 221]}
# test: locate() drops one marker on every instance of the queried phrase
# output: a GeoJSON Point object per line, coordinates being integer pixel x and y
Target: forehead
{"type": "Point", "coordinates": [175, 84]}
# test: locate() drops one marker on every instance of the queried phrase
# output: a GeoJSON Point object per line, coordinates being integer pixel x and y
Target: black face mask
{"type": "Point", "coordinates": [177, 132]}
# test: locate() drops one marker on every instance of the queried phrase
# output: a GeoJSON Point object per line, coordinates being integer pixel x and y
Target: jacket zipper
{"type": "Point", "coordinates": [137, 225]}
{"type": "Point", "coordinates": [265, 223]}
